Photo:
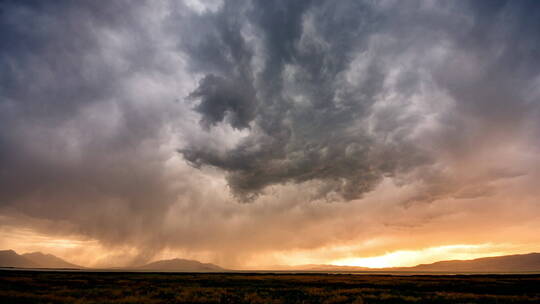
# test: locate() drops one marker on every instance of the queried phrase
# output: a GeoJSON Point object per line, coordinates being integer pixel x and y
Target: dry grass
{"type": "Point", "coordinates": [90, 287]}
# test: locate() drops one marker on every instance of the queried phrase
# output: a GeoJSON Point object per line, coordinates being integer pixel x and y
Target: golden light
{"type": "Point", "coordinates": [405, 258]}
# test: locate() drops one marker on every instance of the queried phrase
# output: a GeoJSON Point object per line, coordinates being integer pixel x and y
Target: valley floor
{"type": "Point", "coordinates": [115, 287]}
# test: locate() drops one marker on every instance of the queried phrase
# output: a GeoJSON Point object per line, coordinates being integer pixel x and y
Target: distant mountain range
{"type": "Point", "coordinates": [509, 263]}
{"type": "Point", "coordinates": [312, 267]}
{"type": "Point", "coordinates": [9, 258]}
{"type": "Point", "coordinates": [180, 265]}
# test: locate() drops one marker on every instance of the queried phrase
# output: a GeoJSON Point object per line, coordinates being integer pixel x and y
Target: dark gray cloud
{"type": "Point", "coordinates": [311, 120]}
{"type": "Point", "coordinates": [222, 98]}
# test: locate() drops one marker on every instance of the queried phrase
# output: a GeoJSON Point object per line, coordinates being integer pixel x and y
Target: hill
{"type": "Point", "coordinates": [9, 258]}
{"type": "Point", "coordinates": [49, 260]}
{"type": "Point", "coordinates": [310, 267]}
{"type": "Point", "coordinates": [507, 263]}
{"type": "Point", "coordinates": [180, 265]}
{"type": "Point", "coordinates": [510, 263]}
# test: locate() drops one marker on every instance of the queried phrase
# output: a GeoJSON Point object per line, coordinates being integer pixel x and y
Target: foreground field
{"type": "Point", "coordinates": [92, 287]}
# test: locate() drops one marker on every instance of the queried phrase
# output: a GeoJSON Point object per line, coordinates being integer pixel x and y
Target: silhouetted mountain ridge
{"type": "Point", "coordinates": [181, 265]}
{"type": "Point", "coordinates": [312, 267]}
{"type": "Point", "coordinates": [508, 263]}
{"type": "Point", "coordinates": [48, 260]}
{"type": "Point", "coordinates": [9, 258]}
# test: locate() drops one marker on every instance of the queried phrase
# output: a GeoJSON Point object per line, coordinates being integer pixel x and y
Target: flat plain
{"type": "Point", "coordinates": [137, 287]}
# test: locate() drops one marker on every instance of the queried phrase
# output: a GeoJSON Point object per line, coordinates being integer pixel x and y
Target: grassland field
{"type": "Point", "coordinates": [135, 287]}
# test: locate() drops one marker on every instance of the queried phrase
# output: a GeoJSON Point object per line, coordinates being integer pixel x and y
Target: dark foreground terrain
{"type": "Point", "coordinates": [115, 287]}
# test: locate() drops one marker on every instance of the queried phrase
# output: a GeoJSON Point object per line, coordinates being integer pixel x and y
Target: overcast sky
{"type": "Point", "coordinates": [250, 133]}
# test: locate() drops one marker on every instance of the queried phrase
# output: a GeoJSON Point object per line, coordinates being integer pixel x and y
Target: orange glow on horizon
{"type": "Point", "coordinates": [90, 253]}
{"type": "Point", "coordinates": [406, 258]}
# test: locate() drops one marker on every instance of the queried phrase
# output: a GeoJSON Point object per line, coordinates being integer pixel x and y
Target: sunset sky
{"type": "Point", "coordinates": [259, 133]}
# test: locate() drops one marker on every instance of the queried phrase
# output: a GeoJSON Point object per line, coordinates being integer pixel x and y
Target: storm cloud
{"type": "Point", "coordinates": [349, 93]}
{"type": "Point", "coordinates": [144, 123]}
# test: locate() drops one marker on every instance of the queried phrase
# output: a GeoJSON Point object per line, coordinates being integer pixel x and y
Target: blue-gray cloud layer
{"type": "Point", "coordinates": [330, 91]}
